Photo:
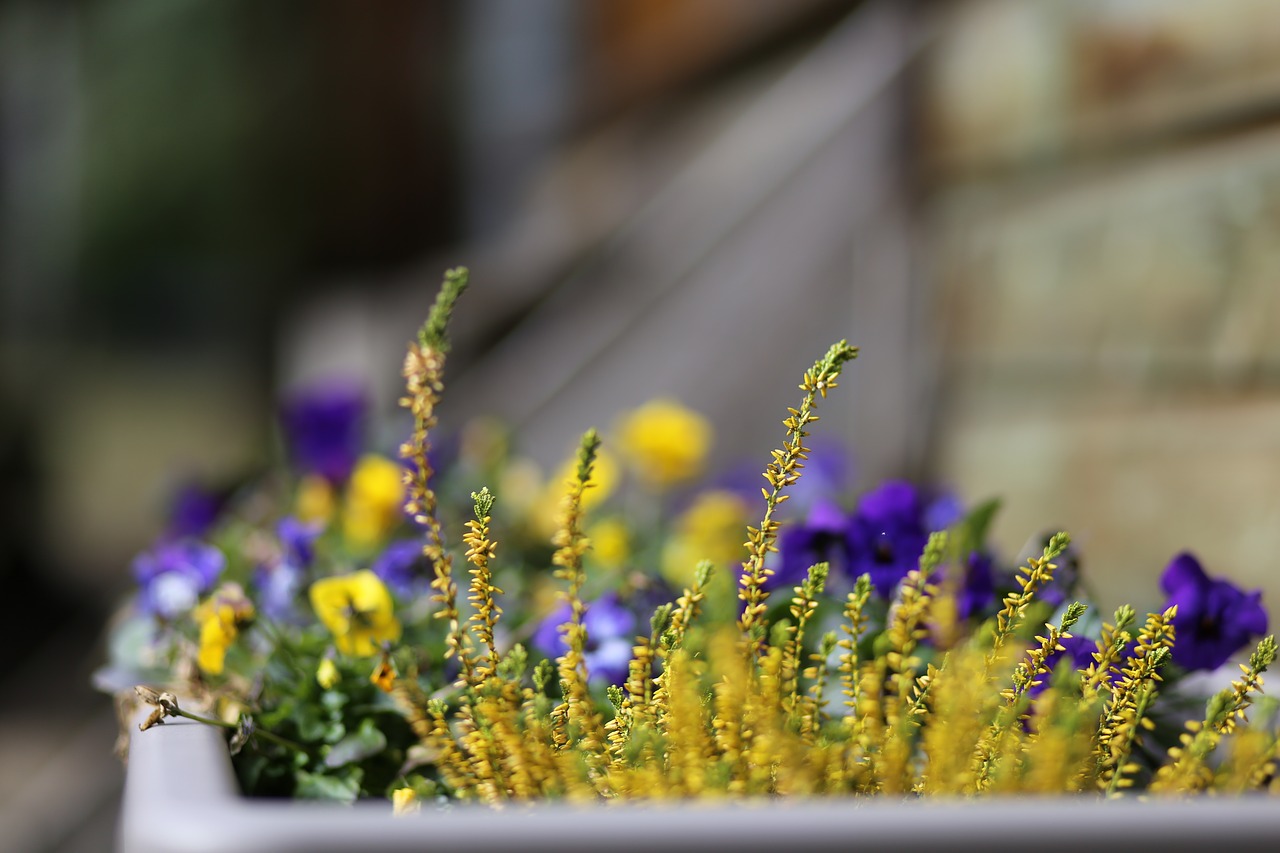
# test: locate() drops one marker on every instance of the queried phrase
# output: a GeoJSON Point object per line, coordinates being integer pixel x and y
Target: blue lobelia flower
{"type": "Point", "coordinates": [324, 428]}
{"type": "Point", "coordinates": [174, 574]}
{"type": "Point", "coordinates": [1215, 618]}
{"type": "Point", "coordinates": [609, 637]}
{"type": "Point", "coordinates": [887, 535]}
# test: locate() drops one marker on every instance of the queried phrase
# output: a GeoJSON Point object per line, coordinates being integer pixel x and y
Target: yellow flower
{"type": "Point", "coordinates": [712, 528]}
{"type": "Point", "coordinates": [404, 801]}
{"type": "Point", "coordinates": [610, 542]}
{"type": "Point", "coordinates": [375, 501]}
{"type": "Point", "coordinates": [315, 501]}
{"type": "Point", "coordinates": [664, 442]}
{"type": "Point", "coordinates": [220, 617]}
{"type": "Point", "coordinates": [357, 609]}
{"type": "Point", "coordinates": [327, 674]}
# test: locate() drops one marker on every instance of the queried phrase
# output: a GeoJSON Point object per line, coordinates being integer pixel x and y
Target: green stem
{"type": "Point", "coordinates": [222, 724]}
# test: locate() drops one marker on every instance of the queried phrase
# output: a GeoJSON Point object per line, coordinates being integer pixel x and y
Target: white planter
{"type": "Point", "coordinates": [181, 795]}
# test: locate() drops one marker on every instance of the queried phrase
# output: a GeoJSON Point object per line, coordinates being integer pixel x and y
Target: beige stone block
{"type": "Point", "coordinates": [1013, 84]}
{"type": "Point", "coordinates": [1163, 269]}
{"type": "Point", "coordinates": [1134, 484]}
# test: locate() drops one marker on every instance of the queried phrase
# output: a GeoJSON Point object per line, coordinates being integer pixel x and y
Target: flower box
{"type": "Point", "coordinates": [374, 710]}
{"type": "Point", "coordinates": [181, 795]}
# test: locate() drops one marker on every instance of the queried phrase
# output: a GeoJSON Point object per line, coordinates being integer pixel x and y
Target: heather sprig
{"type": "Point", "coordinates": [781, 473]}
{"type": "Point", "coordinates": [424, 383]}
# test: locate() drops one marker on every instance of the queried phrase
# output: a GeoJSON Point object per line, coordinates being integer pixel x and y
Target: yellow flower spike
{"type": "Point", "coordinates": [357, 609]}
{"type": "Point", "coordinates": [605, 475]}
{"type": "Point", "coordinates": [664, 442]}
{"type": "Point", "coordinates": [374, 499]}
{"type": "Point", "coordinates": [315, 501]}
{"type": "Point", "coordinates": [404, 801]}
{"type": "Point", "coordinates": [327, 674]}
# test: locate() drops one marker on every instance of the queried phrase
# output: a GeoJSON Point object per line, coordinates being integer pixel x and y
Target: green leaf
{"type": "Point", "coordinates": [313, 786]}
{"type": "Point", "coordinates": [974, 527]}
{"type": "Point", "coordinates": [366, 741]}
{"type": "Point", "coordinates": [311, 726]}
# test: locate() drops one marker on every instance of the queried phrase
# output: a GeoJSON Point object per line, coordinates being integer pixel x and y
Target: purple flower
{"type": "Point", "coordinates": [943, 512]}
{"type": "Point", "coordinates": [887, 535]}
{"type": "Point", "coordinates": [401, 565]}
{"type": "Point", "coordinates": [609, 637]}
{"type": "Point", "coordinates": [279, 580]}
{"type": "Point", "coordinates": [174, 574]}
{"type": "Point", "coordinates": [1215, 618]}
{"type": "Point", "coordinates": [324, 428]}
{"type": "Point", "coordinates": [193, 510]}
{"type": "Point", "coordinates": [298, 540]}
{"type": "Point", "coordinates": [278, 586]}
{"type": "Point", "coordinates": [978, 589]}
{"type": "Point", "coordinates": [823, 537]}
{"type": "Point", "coordinates": [826, 473]}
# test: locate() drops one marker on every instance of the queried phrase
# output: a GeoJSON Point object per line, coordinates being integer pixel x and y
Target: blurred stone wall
{"type": "Point", "coordinates": [1102, 188]}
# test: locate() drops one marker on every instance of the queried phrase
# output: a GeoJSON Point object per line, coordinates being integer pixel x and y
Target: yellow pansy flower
{"type": "Point", "coordinates": [220, 618]}
{"type": "Point", "coordinates": [357, 608]}
{"type": "Point", "coordinates": [610, 542]}
{"type": "Point", "coordinates": [374, 502]}
{"type": "Point", "coordinates": [664, 442]}
{"type": "Point", "coordinates": [315, 501]}
{"type": "Point", "coordinates": [712, 528]}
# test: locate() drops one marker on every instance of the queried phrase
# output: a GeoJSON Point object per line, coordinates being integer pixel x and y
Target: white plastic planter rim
{"type": "Point", "coordinates": [181, 795]}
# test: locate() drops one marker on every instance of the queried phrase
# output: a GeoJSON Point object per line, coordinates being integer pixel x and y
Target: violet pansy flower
{"type": "Point", "coordinates": [823, 537]}
{"type": "Point", "coordinates": [174, 574]}
{"type": "Point", "coordinates": [1215, 618]}
{"type": "Point", "coordinates": [298, 541]}
{"type": "Point", "coordinates": [324, 428]}
{"type": "Point", "coordinates": [977, 591]}
{"type": "Point", "coordinates": [609, 637]}
{"type": "Point", "coordinates": [887, 535]}
{"type": "Point", "coordinates": [280, 581]}
{"type": "Point", "coordinates": [402, 566]}
{"type": "Point", "coordinates": [193, 510]}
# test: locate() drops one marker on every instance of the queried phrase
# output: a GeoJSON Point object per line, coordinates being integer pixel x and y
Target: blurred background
{"type": "Point", "coordinates": [1051, 226]}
